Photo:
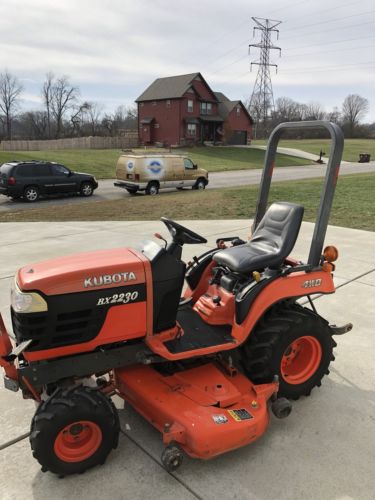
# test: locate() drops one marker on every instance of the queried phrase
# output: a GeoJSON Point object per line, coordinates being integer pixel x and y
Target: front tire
{"type": "Point", "coordinates": [87, 189]}
{"type": "Point", "coordinates": [74, 430]}
{"type": "Point", "coordinates": [200, 184]}
{"type": "Point", "coordinates": [31, 194]}
{"type": "Point", "coordinates": [292, 342]}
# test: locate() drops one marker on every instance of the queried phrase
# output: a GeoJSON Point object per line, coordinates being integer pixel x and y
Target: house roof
{"type": "Point", "coordinates": [168, 88]}
{"type": "Point", "coordinates": [221, 97]}
{"type": "Point", "coordinates": [226, 106]}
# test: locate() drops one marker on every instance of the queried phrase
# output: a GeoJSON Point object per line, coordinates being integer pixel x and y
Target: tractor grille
{"type": "Point", "coordinates": [55, 330]}
{"type": "Point", "coordinates": [70, 319]}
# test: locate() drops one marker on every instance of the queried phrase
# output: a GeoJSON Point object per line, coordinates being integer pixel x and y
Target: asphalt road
{"type": "Point", "coordinates": [107, 191]}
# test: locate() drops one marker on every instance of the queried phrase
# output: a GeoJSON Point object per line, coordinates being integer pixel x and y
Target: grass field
{"type": "Point", "coordinates": [102, 162]}
{"type": "Point", "coordinates": [353, 205]}
{"type": "Point", "coordinates": [352, 147]}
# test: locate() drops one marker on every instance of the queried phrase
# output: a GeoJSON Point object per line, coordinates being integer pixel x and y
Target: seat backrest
{"type": "Point", "coordinates": [279, 228]}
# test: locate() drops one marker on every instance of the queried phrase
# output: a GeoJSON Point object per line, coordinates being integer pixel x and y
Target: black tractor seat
{"type": "Point", "coordinates": [271, 243]}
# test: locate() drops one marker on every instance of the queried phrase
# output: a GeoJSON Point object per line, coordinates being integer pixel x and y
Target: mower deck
{"type": "Point", "coordinates": [197, 333]}
{"type": "Point", "coordinates": [205, 410]}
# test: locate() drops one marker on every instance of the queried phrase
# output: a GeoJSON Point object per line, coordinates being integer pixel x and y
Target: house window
{"type": "Point", "coordinates": [191, 129]}
{"type": "Point", "coordinates": [238, 110]}
{"type": "Point", "coordinates": [141, 104]}
{"type": "Point", "coordinates": [168, 103]}
{"type": "Point", "coordinates": [156, 125]}
{"type": "Point", "coordinates": [190, 106]}
{"type": "Point", "coordinates": [206, 108]}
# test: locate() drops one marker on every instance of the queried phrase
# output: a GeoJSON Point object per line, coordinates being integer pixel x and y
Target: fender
{"type": "Point", "coordinates": [291, 286]}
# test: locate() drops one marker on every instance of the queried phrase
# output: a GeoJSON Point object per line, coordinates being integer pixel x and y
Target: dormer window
{"type": "Point", "coordinates": [238, 110]}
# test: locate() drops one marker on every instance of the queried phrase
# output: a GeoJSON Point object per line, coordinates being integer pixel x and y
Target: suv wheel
{"type": "Point", "coordinates": [86, 189]}
{"type": "Point", "coordinates": [31, 193]}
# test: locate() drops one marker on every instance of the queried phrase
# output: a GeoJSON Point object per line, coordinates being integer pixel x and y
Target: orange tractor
{"type": "Point", "coordinates": [203, 368]}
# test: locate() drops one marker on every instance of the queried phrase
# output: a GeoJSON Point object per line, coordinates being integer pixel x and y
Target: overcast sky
{"type": "Point", "coordinates": [113, 50]}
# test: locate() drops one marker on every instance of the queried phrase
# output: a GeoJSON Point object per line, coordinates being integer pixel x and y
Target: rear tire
{"type": "Point", "coordinates": [87, 189]}
{"type": "Point", "coordinates": [74, 430]}
{"type": "Point", "coordinates": [31, 194]}
{"type": "Point", "coordinates": [152, 189]}
{"type": "Point", "coordinates": [292, 342]}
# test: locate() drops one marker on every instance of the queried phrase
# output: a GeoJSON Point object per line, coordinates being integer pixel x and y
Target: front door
{"type": "Point", "coordinates": [63, 180]}
{"type": "Point", "coordinates": [188, 172]}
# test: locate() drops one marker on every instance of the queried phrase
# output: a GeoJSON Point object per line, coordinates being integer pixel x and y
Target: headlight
{"type": "Point", "coordinates": [27, 302]}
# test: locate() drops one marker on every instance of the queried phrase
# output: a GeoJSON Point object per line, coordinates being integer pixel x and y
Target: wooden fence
{"type": "Point", "coordinates": [128, 140]}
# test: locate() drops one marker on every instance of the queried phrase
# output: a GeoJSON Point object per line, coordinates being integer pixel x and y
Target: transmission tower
{"type": "Point", "coordinates": [261, 102]}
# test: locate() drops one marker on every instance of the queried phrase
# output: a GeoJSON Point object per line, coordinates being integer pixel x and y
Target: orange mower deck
{"type": "Point", "coordinates": [204, 410]}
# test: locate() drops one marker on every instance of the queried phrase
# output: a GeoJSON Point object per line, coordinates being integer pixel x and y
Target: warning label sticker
{"type": "Point", "coordinates": [240, 415]}
{"type": "Point", "coordinates": [219, 419]}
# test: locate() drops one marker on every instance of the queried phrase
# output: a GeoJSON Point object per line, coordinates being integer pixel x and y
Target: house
{"type": "Point", "coordinates": [182, 110]}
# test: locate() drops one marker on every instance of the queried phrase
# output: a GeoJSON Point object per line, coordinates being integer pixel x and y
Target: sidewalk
{"type": "Point", "coordinates": [324, 450]}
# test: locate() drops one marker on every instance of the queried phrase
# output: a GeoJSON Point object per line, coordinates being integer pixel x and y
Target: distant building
{"type": "Point", "coordinates": [182, 110]}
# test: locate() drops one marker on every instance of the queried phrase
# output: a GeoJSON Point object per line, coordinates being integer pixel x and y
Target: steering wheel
{"type": "Point", "coordinates": [182, 235]}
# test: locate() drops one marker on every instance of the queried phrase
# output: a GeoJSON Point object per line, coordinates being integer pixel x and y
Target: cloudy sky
{"type": "Point", "coordinates": [113, 50]}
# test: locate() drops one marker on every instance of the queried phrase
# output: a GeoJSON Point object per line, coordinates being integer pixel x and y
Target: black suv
{"type": "Point", "coordinates": [31, 179]}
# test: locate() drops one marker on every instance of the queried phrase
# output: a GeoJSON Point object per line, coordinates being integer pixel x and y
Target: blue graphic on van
{"type": "Point", "coordinates": [155, 167]}
{"type": "Point", "coordinates": [130, 165]}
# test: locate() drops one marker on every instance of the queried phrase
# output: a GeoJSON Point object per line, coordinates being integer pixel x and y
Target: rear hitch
{"type": "Point", "coordinates": [340, 330]}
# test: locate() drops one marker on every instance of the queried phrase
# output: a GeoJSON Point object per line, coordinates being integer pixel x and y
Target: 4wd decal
{"type": "Point", "coordinates": [311, 283]}
{"type": "Point", "coordinates": [109, 279]}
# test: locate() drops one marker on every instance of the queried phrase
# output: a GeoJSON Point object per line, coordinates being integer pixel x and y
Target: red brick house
{"type": "Point", "coordinates": [182, 110]}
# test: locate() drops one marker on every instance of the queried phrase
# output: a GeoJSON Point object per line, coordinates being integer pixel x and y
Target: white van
{"type": "Point", "coordinates": [151, 172]}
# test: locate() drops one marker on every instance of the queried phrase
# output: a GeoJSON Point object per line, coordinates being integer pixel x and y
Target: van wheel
{"type": "Point", "coordinates": [31, 193]}
{"type": "Point", "coordinates": [131, 191]}
{"type": "Point", "coordinates": [152, 189]}
{"type": "Point", "coordinates": [200, 184]}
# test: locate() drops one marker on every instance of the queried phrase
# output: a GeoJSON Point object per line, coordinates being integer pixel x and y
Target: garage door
{"type": "Point", "coordinates": [239, 137]}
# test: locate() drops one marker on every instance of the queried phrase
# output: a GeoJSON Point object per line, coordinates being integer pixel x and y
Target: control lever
{"type": "Point", "coordinates": [160, 237]}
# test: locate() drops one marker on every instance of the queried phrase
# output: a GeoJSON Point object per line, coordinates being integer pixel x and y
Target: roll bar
{"type": "Point", "coordinates": [326, 197]}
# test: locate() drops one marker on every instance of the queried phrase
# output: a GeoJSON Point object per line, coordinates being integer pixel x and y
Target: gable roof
{"type": "Point", "coordinates": [171, 87]}
{"type": "Point", "coordinates": [221, 97]}
{"type": "Point", "coordinates": [226, 106]}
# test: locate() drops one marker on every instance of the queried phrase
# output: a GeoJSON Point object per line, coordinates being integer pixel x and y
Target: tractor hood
{"type": "Point", "coordinates": [83, 272]}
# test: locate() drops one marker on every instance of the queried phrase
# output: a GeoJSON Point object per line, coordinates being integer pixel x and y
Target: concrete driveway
{"type": "Point", "coordinates": [324, 450]}
{"type": "Point", "coordinates": [107, 191]}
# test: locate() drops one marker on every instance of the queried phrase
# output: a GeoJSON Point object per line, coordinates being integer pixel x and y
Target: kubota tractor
{"type": "Point", "coordinates": [204, 368]}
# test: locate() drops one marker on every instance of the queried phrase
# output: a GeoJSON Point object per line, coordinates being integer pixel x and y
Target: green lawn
{"type": "Point", "coordinates": [353, 205]}
{"type": "Point", "coordinates": [102, 162]}
{"type": "Point", "coordinates": [352, 147]}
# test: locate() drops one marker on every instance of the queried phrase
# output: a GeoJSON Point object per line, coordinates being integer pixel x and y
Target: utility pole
{"type": "Point", "coordinates": [261, 102]}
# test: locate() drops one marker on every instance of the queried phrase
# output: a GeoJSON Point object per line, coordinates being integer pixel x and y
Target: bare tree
{"type": "Point", "coordinates": [94, 111]}
{"type": "Point", "coordinates": [354, 108]}
{"type": "Point", "coordinates": [33, 124]}
{"type": "Point", "coordinates": [10, 90]}
{"type": "Point", "coordinates": [334, 116]}
{"type": "Point", "coordinates": [47, 99]}
{"type": "Point", "coordinates": [314, 111]}
{"type": "Point", "coordinates": [64, 96]}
